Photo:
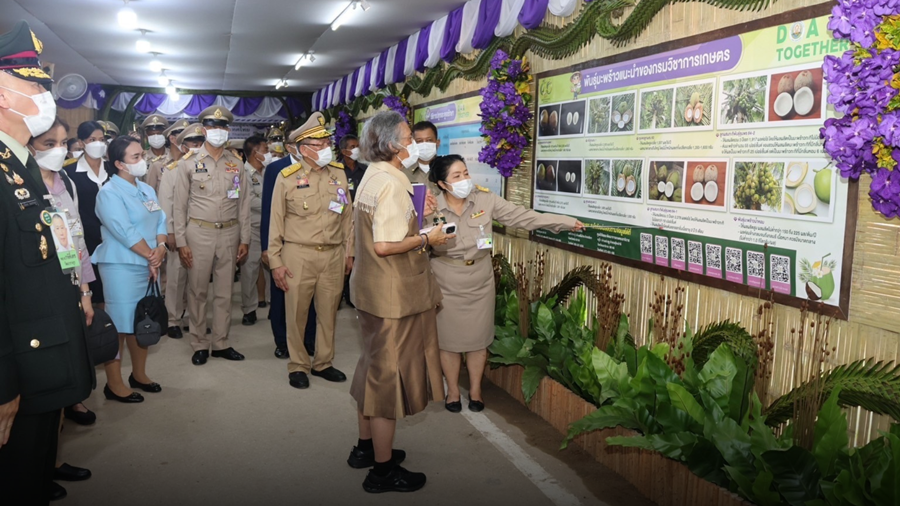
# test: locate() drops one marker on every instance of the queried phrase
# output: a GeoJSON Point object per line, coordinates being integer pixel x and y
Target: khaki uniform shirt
{"type": "Point", "coordinates": [302, 215]}
{"type": "Point", "coordinates": [156, 167]}
{"type": "Point", "coordinates": [166, 194]}
{"type": "Point", "coordinates": [202, 190]}
{"type": "Point", "coordinates": [417, 175]}
{"type": "Point", "coordinates": [256, 184]}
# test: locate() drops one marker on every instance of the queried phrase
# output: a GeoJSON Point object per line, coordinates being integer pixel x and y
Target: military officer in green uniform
{"type": "Point", "coordinates": [44, 362]}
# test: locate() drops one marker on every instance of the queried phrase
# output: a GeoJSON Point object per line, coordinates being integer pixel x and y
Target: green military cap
{"type": "Point", "coordinates": [216, 113]}
{"type": "Point", "coordinates": [178, 126]}
{"type": "Point", "coordinates": [191, 132]}
{"type": "Point", "coordinates": [155, 120]}
{"type": "Point", "coordinates": [19, 50]}
{"type": "Point", "coordinates": [314, 128]}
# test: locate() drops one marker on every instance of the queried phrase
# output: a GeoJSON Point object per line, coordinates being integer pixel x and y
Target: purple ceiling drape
{"type": "Point", "coordinates": [382, 65]}
{"type": "Point", "coordinates": [354, 78]}
{"type": "Point", "coordinates": [533, 12]}
{"type": "Point", "coordinates": [451, 36]}
{"type": "Point", "coordinates": [343, 97]}
{"type": "Point", "coordinates": [247, 106]}
{"type": "Point", "coordinates": [400, 61]}
{"type": "Point", "coordinates": [488, 17]}
{"type": "Point", "coordinates": [422, 48]}
{"type": "Point", "coordinates": [368, 78]}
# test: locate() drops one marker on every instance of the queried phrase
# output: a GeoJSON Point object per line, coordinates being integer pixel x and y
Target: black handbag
{"type": "Point", "coordinates": [150, 317]}
{"type": "Point", "coordinates": [102, 338]}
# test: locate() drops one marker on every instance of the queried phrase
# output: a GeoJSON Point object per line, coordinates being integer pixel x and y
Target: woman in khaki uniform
{"type": "Point", "coordinates": [395, 295]}
{"type": "Point", "coordinates": [463, 270]}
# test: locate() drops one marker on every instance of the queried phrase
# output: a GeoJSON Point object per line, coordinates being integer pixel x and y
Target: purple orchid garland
{"type": "Point", "coordinates": [505, 113]}
{"type": "Point", "coordinates": [343, 126]}
{"type": "Point", "coordinates": [863, 85]}
{"type": "Point", "coordinates": [397, 104]}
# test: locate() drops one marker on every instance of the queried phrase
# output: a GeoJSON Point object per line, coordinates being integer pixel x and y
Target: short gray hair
{"type": "Point", "coordinates": [381, 137]}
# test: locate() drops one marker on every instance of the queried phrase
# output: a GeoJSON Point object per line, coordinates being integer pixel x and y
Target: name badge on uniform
{"type": "Point", "coordinates": [336, 207]}
{"type": "Point", "coordinates": [200, 170]}
{"type": "Point", "coordinates": [351, 186]}
{"type": "Point", "coordinates": [235, 191]}
{"type": "Point", "coordinates": [484, 240]}
{"type": "Point", "coordinates": [302, 182]}
{"type": "Point", "coordinates": [152, 206]}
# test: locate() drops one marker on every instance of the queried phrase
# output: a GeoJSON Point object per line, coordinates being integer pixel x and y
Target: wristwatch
{"type": "Point", "coordinates": [89, 293]}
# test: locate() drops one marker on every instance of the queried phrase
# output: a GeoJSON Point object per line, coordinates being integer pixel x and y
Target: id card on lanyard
{"type": "Point", "coordinates": [63, 239]}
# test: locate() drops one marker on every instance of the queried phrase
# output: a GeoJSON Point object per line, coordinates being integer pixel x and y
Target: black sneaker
{"type": "Point", "coordinates": [398, 480]}
{"type": "Point", "coordinates": [361, 459]}
{"type": "Point", "coordinates": [249, 318]}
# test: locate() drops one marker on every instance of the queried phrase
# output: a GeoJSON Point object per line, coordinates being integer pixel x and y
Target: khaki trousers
{"type": "Point", "coordinates": [250, 275]}
{"type": "Point", "coordinates": [214, 252]}
{"type": "Point", "coordinates": [176, 289]}
{"type": "Point", "coordinates": [319, 273]}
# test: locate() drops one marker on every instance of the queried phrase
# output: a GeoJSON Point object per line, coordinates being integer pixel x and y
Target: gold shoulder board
{"type": "Point", "coordinates": [172, 165]}
{"type": "Point", "coordinates": [336, 165]}
{"type": "Point", "coordinates": [70, 161]}
{"type": "Point", "coordinates": [287, 171]}
{"type": "Point", "coordinates": [481, 188]}
{"type": "Point", "coordinates": [187, 155]}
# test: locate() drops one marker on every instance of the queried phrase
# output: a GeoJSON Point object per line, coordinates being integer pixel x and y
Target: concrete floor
{"type": "Point", "coordinates": [235, 433]}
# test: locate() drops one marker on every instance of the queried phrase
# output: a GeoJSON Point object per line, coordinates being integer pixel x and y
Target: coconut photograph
{"type": "Point", "coordinates": [758, 186]}
{"type": "Point", "coordinates": [598, 115]}
{"type": "Point", "coordinates": [568, 176]}
{"type": "Point", "coordinates": [572, 118]}
{"type": "Point", "coordinates": [622, 116]}
{"type": "Point", "coordinates": [694, 105]}
{"type": "Point", "coordinates": [808, 186]}
{"type": "Point", "coordinates": [796, 95]}
{"type": "Point", "coordinates": [666, 182]}
{"type": "Point", "coordinates": [743, 100]}
{"type": "Point", "coordinates": [656, 109]}
{"type": "Point", "coordinates": [545, 175]}
{"type": "Point", "coordinates": [626, 179]}
{"type": "Point", "coordinates": [705, 183]}
{"type": "Point", "coordinates": [817, 278]}
{"type": "Point", "coordinates": [597, 177]}
{"type": "Point", "coordinates": [548, 121]}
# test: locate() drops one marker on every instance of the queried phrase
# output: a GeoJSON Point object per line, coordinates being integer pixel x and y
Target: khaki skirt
{"type": "Point", "coordinates": [465, 320]}
{"type": "Point", "coordinates": [399, 370]}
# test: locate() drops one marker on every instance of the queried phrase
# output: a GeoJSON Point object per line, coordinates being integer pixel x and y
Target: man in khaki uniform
{"type": "Point", "coordinates": [275, 140]}
{"type": "Point", "coordinates": [212, 231]}
{"type": "Point", "coordinates": [153, 127]}
{"type": "Point", "coordinates": [157, 167]}
{"type": "Point", "coordinates": [257, 153]}
{"type": "Point", "coordinates": [110, 130]}
{"type": "Point", "coordinates": [309, 235]}
{"type": "Point", "coordinates": [190, 137]}
{"type": "Point", "coordinates": [425, 135]}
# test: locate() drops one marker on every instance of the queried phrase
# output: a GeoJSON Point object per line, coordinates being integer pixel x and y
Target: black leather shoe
{"type": "Point", "coordinates": [398, 480]}
{"type": "Point", "coordinates": [131, 399]}
{"type": "Point", "coordinates": [200, 357]}
{"type": "Point", "coordinates": [298, 379]}
{"type": "Point", "coordinates": [249, 318]}
{"type": "Point", "coordinates": [453, 407]}
{"type": "Point", "coordinates": [175, 332]}
{"type": "Point", "coordinates": [79, 417]}
{"type": "Point", "coordinates": [56, 491]}
{"type": "Point", "coordinates": [476, 406]}
{"type": "Point", "coordinates": [66, 472]}
{"type": "Point", "coordinates": [147, 387]}
{"type": "Point", "coordinates": [330, 374]}
{"type": "Point", "coordinates": [262, 304]}
{"type": "Point", "coordinates": [208, 330]}
{"type": "Point", "coordinates": [361, 459]}
{"type": "Point", "coordinates": [282, 353]}
{"type": "Point", "coordinates": [227, 354]}
{"type": "Point", "coordinates": [185, 328]}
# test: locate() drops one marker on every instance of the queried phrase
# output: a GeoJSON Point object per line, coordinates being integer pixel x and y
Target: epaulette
{"type": "Point", "coordinates": [481, 188]}
{"type": "Point", "coordinates": [187, 155]}
{"type": "Point", "coordinates": [157, 158]}
{"type": "Point", "coordinates": [172, 165]}
{"type": "Point", "coordinates": [70, 161]}
{"type": "Point", "coordinates": [288, 171]}
{"type": "Point", "coordinates": [336, 165]}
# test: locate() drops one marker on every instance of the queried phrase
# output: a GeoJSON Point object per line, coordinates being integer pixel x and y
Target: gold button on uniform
{"type": "Point", "coordinates": [35, 343]}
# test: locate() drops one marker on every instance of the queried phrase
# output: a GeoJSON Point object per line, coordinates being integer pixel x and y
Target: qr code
{"type": "Point", "coordinates": [756, 264]}
{"type": "Point", "coordinates": [678, 250]}
{"type": "Point", "coordinates": [714, 256]}
{"type": "Point", "coordinates": [780, 268]}
{"type": "Point", "coordinates": [734, 261]}
{"type": "Point", "coordinates": [662, 246]}
{"type": "Point", "coordinates": [695, 253]}
{"type": "Point", "coordinates": [646, 244]}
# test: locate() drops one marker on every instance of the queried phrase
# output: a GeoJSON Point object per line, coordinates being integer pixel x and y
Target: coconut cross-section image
{"type": "Point", "coordinates": [795, 95]}
{"type": "Point", "coordinates": [808, 187]}
{"type": "Point", "coordinates": [705, 182]}
{"type": "Point", "coordinates": [667, 181]}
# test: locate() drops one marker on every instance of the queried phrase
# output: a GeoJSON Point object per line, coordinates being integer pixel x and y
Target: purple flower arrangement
{"type": "Point", "coordinates": [397, 104]}
{"type": "Point", "coordinates": [505, 113]}
{"type": "Point", "coordinates": [343, 126]}
{"type": "Point", "coordinates": [863, 85]}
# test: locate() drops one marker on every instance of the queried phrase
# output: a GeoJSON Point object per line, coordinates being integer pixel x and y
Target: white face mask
{"type": "Point", "coordinates": [77, 154]}
{"type": "Point", "coordinates": [95, 149]}
{"type": "Point", "coordinates": [427, 151]}
{"type": "Point", "coordinates": [412, 155]}
{"type": "Point", "coordinates": [267, 158]}
{"type": "Point", "coordinates": [217, 138]}
{"type": "Point", "coordinates": [325, 155]}
{"type": "Point", "coordinates": [43, 120]}
{"type": "Point", "coordinates": [194, 150]}
{"type": "Point", "coordinates": [156, 141]}
{"type": "Point", "coordinates": [137, 169]}
{"type": "Point", "coordinates": [354, 154]}
{"type": "Point", "coordinates": [425, 167]}
{"type": "Point", "coordinates": [51, 159]}
{"type": "Point", "coordinates": [461, 189]}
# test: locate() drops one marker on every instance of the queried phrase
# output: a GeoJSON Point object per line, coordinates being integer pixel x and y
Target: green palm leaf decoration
{"type": "Point", "coordinates": [579, 276]}
{"type": "Point", "coordinates": [731, 334]}
{"type": "Point", "coordinates": [871, 385]}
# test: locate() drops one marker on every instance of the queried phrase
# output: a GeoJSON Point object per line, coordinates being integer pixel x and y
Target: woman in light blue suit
{"type": "Point", "coordinates": [133, 227]}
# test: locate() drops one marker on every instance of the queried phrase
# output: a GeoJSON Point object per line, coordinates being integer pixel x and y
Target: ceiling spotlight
{"type": "Point", "coordinates": [142, 44]}
{"type": "Point", "coordinates": [127, 17]}
{"type": "Point", "coordinates": [155, 64]}
{"type": "Point", "coordinates": [364, 4]}
{"type": "Point", "coordinates": [347, 13]}
{"type": "Point", "coordinates": [299, 62]}
{"type": "Point", "coordinates": [163, 80]}
{"type": "Point", "coordinates": [311, 57]}
{"type": "Point", "coordinates": [281, 84]}
{"type": "Point", "coordinates": [171, 91]}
